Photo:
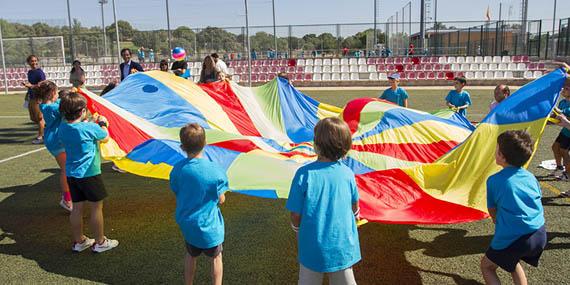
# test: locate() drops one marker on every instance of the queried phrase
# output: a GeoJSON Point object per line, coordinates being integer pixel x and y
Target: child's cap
{"type": "Point", "coordinates": [395, 76]}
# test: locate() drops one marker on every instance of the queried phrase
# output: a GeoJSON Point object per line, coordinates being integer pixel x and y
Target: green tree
{"type": "Point", "coordinates": [126, 31]}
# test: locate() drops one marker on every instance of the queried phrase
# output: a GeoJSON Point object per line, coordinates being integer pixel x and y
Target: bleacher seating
{"type": "Point", "coordinates": [324, 69]}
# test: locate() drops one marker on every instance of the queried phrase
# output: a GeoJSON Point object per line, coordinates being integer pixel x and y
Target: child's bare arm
{"type": "Point", "coordinates": [295, 219]}
{"type": "Point", "coordinates": [222, 199]}
{"type": "Point", "coordinates": [493, 213]}
{"type": "Point", "coordinates": [356, 211]}
{"type": "Point", "coordinates": [102, 121]}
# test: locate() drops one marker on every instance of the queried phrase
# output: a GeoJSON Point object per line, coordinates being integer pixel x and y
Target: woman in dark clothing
{"type": "Point", "coordinates": [209, 72]}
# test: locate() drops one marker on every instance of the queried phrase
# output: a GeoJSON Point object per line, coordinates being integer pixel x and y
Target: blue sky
{"type": "Point", "coordinates": [151, 14]}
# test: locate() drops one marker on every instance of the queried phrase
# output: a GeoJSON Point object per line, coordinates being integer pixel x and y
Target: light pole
{"type": "Point", "coordinates": [274, 28]}
{"type": "Point", "coordinates": [375, 11]}
{"type": "Point", "coordinates": [168, 27]}
{"type": "Point", "coordinates": [103, 2]}
{"type": "Point", "coordinates": [116, 31]}
{"type": "Point", "coordinates": [3, 62]}
{"type": "Point", "coordinates": [71, 44]}
{"type": "Point", "coordinates": [554, 18]}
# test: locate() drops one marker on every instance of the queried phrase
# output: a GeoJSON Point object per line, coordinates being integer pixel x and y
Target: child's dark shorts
{"type": "Point", "coordinates": [527, 248]}
{"type": "Point", "coordinates": [211, 252]}
{"type": "Point", "coordinates": [563, 141]}
{"type": "Point", "coordinates": [89, 189]}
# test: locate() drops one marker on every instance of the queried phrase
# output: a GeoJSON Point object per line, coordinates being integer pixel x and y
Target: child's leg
{"type": "Point", "coordinates": [42, 125]}
{"type": "Point", "coordinates": [60, 158]}
{"type": "Point", "coordinates": [308, 277]}
{"type": "Point", "coordinates": [76, 219]}
{"type": "Point", "coordinates": [217, 269]}
{"type": "Point", "coordinates": [189, 268]}
{"type": "Point", "coordinates": [96, 220]}
{"type": "Point", "coordinates": [489, 271]}
{"type": "Point", "coordinates": [345, 276]}
{"type": "Point", "coordinates": [519, 278]}
{"type": "Point", "coordinates": [557, 154]}
{"type": "Point", "coordinates": [565, 158]}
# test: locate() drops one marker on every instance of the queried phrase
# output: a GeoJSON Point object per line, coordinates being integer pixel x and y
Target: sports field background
{"type": "Point", "coordinates": [260, 247]}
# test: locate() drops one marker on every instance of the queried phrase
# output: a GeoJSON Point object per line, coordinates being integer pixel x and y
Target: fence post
{"type": "Point", "coordinates": [567, 36]}
{"type": "Point", "coordinates": [496, 38]}
{"type": "Point", "coordinates": [338, 43]}
{"type": "Point", "coordinates": [547, 45]}
{"type": "Point", "coordinates": [540, 37]}
{"type": "Point", "coordinates": [290, 41]}
{"type": "Point", "coordinates": [468, 42]}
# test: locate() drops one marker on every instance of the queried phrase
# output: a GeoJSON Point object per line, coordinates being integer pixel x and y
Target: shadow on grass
{"type": "Point", "coordinates": [17, 135]}
{"type": "Point", "coordinates": [260, 248]}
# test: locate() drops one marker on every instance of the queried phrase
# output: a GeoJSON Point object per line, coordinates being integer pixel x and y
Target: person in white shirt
{"type": "Point", "coordinates": [220, 64]}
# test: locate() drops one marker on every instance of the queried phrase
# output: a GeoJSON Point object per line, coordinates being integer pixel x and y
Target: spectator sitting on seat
{"type": "Point", "coordinates": [77, 75]}
{"type": "Point", "coordinates": [209, 72]}
{"type": "Point", "coordinates": [502, 91]}
{"type": "Point", "coordinates": [128, 66]}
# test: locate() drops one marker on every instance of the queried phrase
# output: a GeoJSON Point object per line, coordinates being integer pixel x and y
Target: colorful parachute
{"type": "Point", "coordinates": [411, 166]}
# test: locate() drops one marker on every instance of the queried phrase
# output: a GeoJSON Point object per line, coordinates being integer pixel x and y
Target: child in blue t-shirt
{"type": "Point", "coordinates": [199, 186]}
{"type": "Point", "coordinates": [561, 145]}
{"type": "Point", "coordinates": [83, 167]}
{"type": "Point", "coordinates": [47, 94]}
{"type": "Point", "coordinates": [324, 205]}
{"type": "Point", "coordinates": [459, 100]}
{"type": "Point", "coordinates": [514, 203]}
{"type": "Point", "coordinates": [395, 94]}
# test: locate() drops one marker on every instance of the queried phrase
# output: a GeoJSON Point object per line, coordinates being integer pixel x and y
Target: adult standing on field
{"type": "Point", "coordinates": [35, 76]}
{"type": "Point", "coordinates": [77, 74]}
{"type": "Point", "coordinates": [128, 66]}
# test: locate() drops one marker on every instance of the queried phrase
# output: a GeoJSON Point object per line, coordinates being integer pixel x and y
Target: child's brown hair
{"type": "Point", "coordinates": [516, 147]}
{"type": "Point", "coordinates": [72, 105]}
{"type": "Point", "coordinates": [44, 90]}
{"type": "Point", "coordinates": [332, 138]}
{"type": "Point", "coordinates": [193, 139]}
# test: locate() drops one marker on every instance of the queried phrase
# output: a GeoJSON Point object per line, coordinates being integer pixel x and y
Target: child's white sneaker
{"type": "Point", "coordinates": [117, 169]}
{"type": "Point", "coordinates": [563, 177]}
{"type": "Point", "coordinates": [108, 244]}
{"type": "Point", "coordinates": [66, 204]}
{"type": "Point", "coordinates": [38, 140]}
{"type": "Point", "coordinates": [79, 247]}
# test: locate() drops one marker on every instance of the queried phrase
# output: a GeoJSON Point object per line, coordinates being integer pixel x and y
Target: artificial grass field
{"type": "Point", "coordinates": [260, 247]}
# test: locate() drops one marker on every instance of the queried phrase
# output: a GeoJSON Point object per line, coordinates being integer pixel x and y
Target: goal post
{"type": "Point", "coordinates": [50, 50]}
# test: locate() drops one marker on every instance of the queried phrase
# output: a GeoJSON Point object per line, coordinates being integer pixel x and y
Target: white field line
{"type": "Point", "coordinates": [14, 117]}
{"type": "Point", "coordinates": [22, 155]}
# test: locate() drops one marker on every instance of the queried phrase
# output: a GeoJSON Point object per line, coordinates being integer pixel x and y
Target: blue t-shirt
{"type": "Point", "coordinates": [564, 106]}
{"type": "Point", "coordinates": [198, 184]}
{"type": "Point", "coordinates": [35, 76]}
{"type": "Point", "coordinates": [515, 194]}
{"type": "Point", "coordinates": [459, 99]}
{"type": "Point", "coordinates": [396, 97]}
{"type": "Point", "coordinates": [323, 194]}
{"type": "Point", "coordinates": [80, 141]}
{"type": "Point", "coordinates": [52, 119]}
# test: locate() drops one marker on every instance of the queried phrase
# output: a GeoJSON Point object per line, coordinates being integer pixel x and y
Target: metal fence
{"type": "Point", "coordinates": [327, 40]}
